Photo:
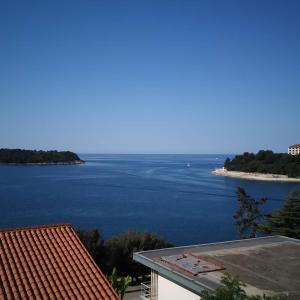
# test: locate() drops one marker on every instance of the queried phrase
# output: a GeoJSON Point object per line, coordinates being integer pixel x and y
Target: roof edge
{"type": "Point", "coordinates": [219, 243]}
{"type": "Point", "coordinates": [35, 227]}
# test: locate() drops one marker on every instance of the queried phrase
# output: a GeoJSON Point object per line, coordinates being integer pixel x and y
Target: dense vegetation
{"type": "Point", "coordinates": [232, 289]}
{"type": "Point", "coordinates": [117, 252]}
{"type": "Point", "coordinates": [251, 221]}
{"type": "Point", "coordinates": [265, 161]}
{"type": "Point", "coordinates": [20, 156]}
{"type": "Point", "coordinates": [285, 220]}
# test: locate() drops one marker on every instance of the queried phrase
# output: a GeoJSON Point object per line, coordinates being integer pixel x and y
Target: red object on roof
{"type": "Point", "coordinates": [49, 262]}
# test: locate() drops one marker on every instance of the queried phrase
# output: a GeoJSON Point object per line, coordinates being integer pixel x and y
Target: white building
{"type": "Point", "coordinates": [266, 265]}
{"type": "Point", "coordinates": [294, 149]}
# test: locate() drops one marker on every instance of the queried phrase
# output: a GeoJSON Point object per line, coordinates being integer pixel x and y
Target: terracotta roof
{"type": "Point", "coordinates": [49, 262]}
{"type": "Point", "coordinates": [295, 146]}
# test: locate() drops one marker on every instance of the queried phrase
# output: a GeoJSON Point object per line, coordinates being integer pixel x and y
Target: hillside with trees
{"type": "Point", "coordinates": [266, 162]}
{"type": "Point", "coordinates": [20, 156]}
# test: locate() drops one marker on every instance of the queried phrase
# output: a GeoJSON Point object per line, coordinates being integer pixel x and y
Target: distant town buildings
{"type": "Point", "coordinates": [49, 262]}
{"type": "Point", "coordinates": [267, 265]}
{"type": "Point", "coordinates": [294, 149]}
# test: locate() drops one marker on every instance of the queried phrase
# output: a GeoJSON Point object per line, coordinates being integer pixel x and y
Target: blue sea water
{"type": "Point", "coordinates": [160, 193]}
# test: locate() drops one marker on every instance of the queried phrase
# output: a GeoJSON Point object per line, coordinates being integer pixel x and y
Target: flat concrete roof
{"type": "Point", "coordinates": [266, 265]}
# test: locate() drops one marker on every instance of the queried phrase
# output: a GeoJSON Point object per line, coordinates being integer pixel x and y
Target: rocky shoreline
{"type": "Point", "coordinates": [254, 176]}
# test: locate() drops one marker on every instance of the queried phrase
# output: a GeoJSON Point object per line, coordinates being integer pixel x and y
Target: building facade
{"type": "Point", "coordinates": [294, 149]}
{"type": "Point", "coordinates": [166, 289]}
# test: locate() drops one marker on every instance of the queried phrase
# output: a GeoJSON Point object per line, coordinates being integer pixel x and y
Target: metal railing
{"type": "Point", "coordinates": [146, 290]}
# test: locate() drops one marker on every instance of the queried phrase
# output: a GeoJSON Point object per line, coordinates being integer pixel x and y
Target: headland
{"type": "Point", "coordinates": [40, 158]}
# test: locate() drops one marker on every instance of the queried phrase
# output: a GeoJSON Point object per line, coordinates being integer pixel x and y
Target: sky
{"type": "Point", "coordinates": [150, 76]}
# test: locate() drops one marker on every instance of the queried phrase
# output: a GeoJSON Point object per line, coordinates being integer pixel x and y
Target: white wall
{"type": "Point", "coordinates": [167, 290]}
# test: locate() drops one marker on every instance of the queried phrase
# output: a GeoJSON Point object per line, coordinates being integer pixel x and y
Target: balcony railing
{"type": "Point", "coordinates": [146, 290]}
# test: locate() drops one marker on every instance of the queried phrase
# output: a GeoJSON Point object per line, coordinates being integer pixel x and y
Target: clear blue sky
{"type": "Point", "coordinates": [150, 76]}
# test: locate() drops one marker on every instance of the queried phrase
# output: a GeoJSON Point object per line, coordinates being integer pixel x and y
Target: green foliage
{"type": "Point", "coordinates": [94, 243]}
{"type": "Point", "coordinates": [118, 251]}
{"type": "Point", "coordinates": [283, 221]}
{"type": "Point", "coordinates": [265, 162]}
{"type": "Point", "coordinates": [19, 156]}
{"type": "Point", "coordinates": [122, 247]}
{"type": "Point", "coordinates": [248, 216]}
{"type": "Point", "coordinates": [119, 284]}
{"type": "Point", "coordinates": [232, 289]}
{"type": "Point", "coordinates": [286, 220]}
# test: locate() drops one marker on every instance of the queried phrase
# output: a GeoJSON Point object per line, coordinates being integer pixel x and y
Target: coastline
{"type": "Point", "coordinates": [75, 162]}
{"type": "Point", "coordinates": [254, 176]}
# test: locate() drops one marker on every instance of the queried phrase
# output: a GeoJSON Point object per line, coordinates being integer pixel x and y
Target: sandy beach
{"type": "Point", "coordinates": [254, 176]}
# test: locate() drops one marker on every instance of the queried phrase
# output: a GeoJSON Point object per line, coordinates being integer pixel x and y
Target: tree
{"type": "Point", "coordinates": [122, 247]}
{"type": "Point", "coordinates": [232, 289]}
{"type": "Point", "coordinates": [265, 161]}
{"type": "Point", "coordinates": [227, 163]}
{"type": "Point", "coordinates": [286, 220]}
{"type": "Point", "coordinates": [94, 243]}
{"type": "Point", "coordinates": [21, 156]}
{"type": "Point", "coordinates": [248, 215]}
{"type": "Point", "coordinates": [117, 252]}
{"type": "Point", "coordinates": [119, 284]}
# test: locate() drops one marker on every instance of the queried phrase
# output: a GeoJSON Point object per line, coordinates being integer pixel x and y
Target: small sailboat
{"type": "Point", "coordinates": [188, 165]}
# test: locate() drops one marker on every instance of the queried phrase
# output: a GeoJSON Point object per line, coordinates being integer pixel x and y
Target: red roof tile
{"type": "Point", "coordinates": [295, 146]}
{"type": "Point", "coordinates": [49, 262]}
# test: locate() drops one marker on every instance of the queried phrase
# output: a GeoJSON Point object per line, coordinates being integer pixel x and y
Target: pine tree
{"type": "Point", "coordinates": [248, 215]}
{"type": "Point", "coordinates": [286, 220]}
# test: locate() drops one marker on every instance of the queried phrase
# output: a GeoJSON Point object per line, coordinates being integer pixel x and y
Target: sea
{"type": "Point", "coordinates": [174, 196]}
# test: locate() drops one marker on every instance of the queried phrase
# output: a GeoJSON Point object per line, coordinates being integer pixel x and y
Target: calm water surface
{"type": "Point", "coordinates": [114, 193]}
